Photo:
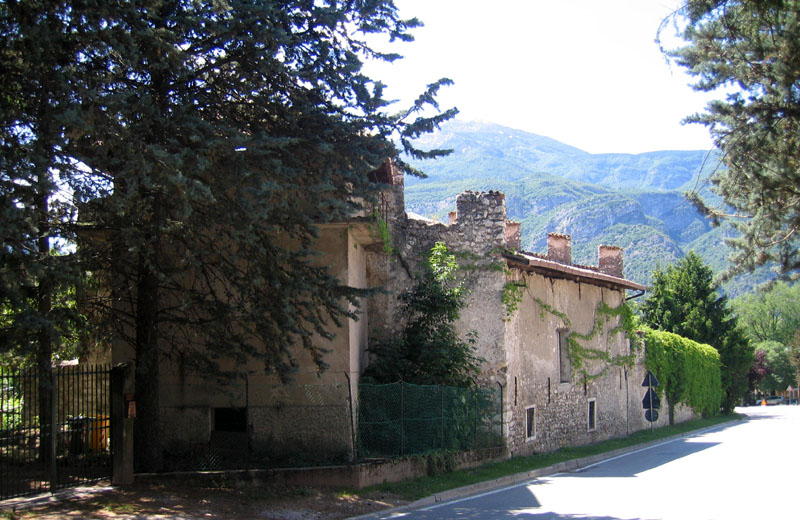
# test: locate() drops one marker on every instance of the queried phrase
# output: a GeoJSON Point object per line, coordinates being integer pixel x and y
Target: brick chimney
{"type": "Point", "coordinates": [559, 248]}
{"type": "Point", "coordinates": [512, 235]}
{"type": "Point", "coordinates": [610, 260]}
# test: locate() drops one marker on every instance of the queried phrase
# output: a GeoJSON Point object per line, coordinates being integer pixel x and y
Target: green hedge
{"type": "Point", "coordinates": [688, 372]}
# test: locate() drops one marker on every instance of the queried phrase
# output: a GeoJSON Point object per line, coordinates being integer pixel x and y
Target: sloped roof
{"type": "Point", "coordinates": [535, 263]}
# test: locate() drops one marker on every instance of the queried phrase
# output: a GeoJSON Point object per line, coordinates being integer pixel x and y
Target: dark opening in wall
{"type": "Point", "coordinates": [515, 390]}
{"type": "Point", "coordinates": [230, 419]}
{"type": "Point", "coordinates": [565, 372]}
{"type": "Point", "coordinates": [530, 422]}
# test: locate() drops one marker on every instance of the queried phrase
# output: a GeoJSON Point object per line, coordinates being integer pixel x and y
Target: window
{"type": "Point", "coordinates": [592, 414]}
{"type": "Point", "coordinates": [230, 419]}
{"type": "Point", "coordinates": [530, 422]}
{"type": "Point", "coordinates": [565, 370]}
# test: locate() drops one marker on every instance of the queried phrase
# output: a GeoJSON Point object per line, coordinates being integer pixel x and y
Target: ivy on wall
{"type": "Point", "coordinates": [580, 355]}
{"type": "Point", "coordinates": [688, 372]}
{"type": "Point", "coordinates": [511, 297]}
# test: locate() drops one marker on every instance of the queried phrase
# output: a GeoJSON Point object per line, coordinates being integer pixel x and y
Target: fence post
{"type": "Point", "coordinates": [122, 417]}
{"type": "Point", "coordinates": [441, 413]}
{"type": "Point", "coordinates": [53, 432]}
{"type": "Point", "coordinates": [402, 421]}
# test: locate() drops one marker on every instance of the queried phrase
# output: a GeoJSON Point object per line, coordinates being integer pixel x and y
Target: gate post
{"type": "Point", "coordinates": [122, 385]}
{"type": "Point", "coordinates": [53, 429]}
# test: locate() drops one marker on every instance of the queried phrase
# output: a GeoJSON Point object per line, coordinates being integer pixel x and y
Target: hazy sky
{"type": "Point", "coordinates": [585, 72]}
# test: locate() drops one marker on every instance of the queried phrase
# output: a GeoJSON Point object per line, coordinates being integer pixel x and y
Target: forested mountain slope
{"type": "Point", "coordinates": [634, 201]}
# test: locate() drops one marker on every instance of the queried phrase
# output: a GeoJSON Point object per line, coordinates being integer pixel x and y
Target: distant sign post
{"type": "Point", "coordinates": [651, 402]}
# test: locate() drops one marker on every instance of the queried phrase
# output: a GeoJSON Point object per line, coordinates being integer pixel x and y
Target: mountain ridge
{"type": "Point", "coordinates": [635, 201]}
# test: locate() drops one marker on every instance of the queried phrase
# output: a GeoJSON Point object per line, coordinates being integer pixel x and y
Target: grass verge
{"type": "Point", "coordinates": [425, 486]}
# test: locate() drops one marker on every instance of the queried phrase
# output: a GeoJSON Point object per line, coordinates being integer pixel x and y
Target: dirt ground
{"type": "Point", "coordinates": [162, 502]}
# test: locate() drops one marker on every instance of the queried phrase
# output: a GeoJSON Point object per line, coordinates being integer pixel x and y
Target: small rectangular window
{"type": "Point", "coordinates": [592, 415]}
{"type": "Point", "coordinates": [565, 371]}
{"type": "Point", "coordinates": [230, 419]}
{"type": "Point", "coordinates": [530, 422]}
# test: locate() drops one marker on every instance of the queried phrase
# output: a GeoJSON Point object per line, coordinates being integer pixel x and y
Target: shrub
{"type": "Point", "coordinates": [688, 372]}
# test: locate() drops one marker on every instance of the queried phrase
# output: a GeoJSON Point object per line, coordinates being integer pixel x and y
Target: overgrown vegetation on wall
{"type": "Point", "coordinates": [429, 351]}
{"type": "Point", "coordinates": [580, 354]}
{"type": "Point", "coordinates": [688, 372]}
{"type": "Point", "coordinates": [684, 300]}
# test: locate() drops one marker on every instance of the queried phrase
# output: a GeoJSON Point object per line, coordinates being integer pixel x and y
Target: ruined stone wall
{"type": "Point", "coordinates": [476, 236]}
{"type": "Point", "coordinates": [521, 351]}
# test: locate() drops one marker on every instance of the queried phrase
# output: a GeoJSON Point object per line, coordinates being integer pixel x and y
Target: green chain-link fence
{"type": "Point", "coordinates": [403, 419]}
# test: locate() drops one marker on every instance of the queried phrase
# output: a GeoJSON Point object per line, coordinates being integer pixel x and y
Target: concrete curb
{"type": "Point", "coordinates": [519, 478]}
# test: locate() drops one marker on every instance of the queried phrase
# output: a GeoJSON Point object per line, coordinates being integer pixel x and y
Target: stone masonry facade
{"type": "Point", "coordinates": [543, 409]}
{"type": "Point", "coordinates": [546, 404]}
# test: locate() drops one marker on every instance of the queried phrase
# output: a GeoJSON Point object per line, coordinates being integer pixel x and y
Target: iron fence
{"type": "Point", "coordinates": [401, 419]}
{"type": "Point", "coordinates": [54, 428]}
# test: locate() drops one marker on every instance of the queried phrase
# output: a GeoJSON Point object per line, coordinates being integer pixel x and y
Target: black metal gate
{"type": "Point", "coordinates": [55, 429]}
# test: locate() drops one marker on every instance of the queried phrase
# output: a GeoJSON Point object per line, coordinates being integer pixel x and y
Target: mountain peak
{"type": "Point", "coordinates": [487, 150]}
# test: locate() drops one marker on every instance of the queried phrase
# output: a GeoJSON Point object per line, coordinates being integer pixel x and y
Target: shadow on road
{"type": "Point", "coordinates": [518, 504]}
{"type": "Point", "coordinates": [647, 459]}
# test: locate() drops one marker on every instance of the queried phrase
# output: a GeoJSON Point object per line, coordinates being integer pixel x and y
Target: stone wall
{"type": "Point", "coordinates": [476, 235]}
{"type": "Point", "coordinates": [299, 423]}
{"type": "Point", "coordinates": [521, 350]}
{"type": "Point", "coordinates": [316, 415]}
{"type": "Point", "coordinates": [310, 418]}
{"type": "Point", "coordinates": [561, 408]}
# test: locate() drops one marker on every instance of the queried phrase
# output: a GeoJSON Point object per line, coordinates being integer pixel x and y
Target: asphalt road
{"type": "Point", "coordinates": [743, 470]}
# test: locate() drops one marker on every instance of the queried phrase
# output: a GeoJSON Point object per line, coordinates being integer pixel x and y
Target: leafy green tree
{"type": "Point", "coordinates": [771, 318]}
{"type": "Point", "coordinates": [794, 355]}
{"type": "Point", "coordinates": [748, 51]}
{"type": "Point", "coordinates": [771, 315]}
{"type": "Point", "coordinates": [683, 300]}
{"type": "Point", "coordinates": [780, 371]}
{"type": "Point", "coordinates": [428, 351]}
{"type": "Point", "coordinates": [202, 142]}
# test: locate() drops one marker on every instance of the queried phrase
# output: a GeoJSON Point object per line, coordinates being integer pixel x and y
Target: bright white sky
{"type": "Point", "coordinates": [587, 73]}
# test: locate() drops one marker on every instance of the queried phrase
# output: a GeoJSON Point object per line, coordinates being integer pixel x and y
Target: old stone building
{"type": "Point", "coordinates": [551, 398]}
{"type": "Point", "coordinates": [553, 395]}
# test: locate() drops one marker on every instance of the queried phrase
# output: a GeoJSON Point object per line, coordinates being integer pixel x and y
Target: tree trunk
{"type": "Point", "coordinates": [44, 305]}
{"type": "Point", "coordinates": [147, 429]}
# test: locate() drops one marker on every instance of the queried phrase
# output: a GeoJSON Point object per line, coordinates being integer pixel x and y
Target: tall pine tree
{"type": "Point", "coordinates": [38, 275]}
{"type": "Point", "coordinates": [204, 138]}
{"type": "Point", "coordinates": [683, 300]}
{"type": "Point", "coordinates": [749, 51]}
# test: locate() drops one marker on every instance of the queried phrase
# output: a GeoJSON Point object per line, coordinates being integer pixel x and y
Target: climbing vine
{"type": "Point", "coordinates": [381, 228]}
{"type": "Point", "coordinates": [579, 354]}
{"type": "Point", "coordinates": [511, 297]}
